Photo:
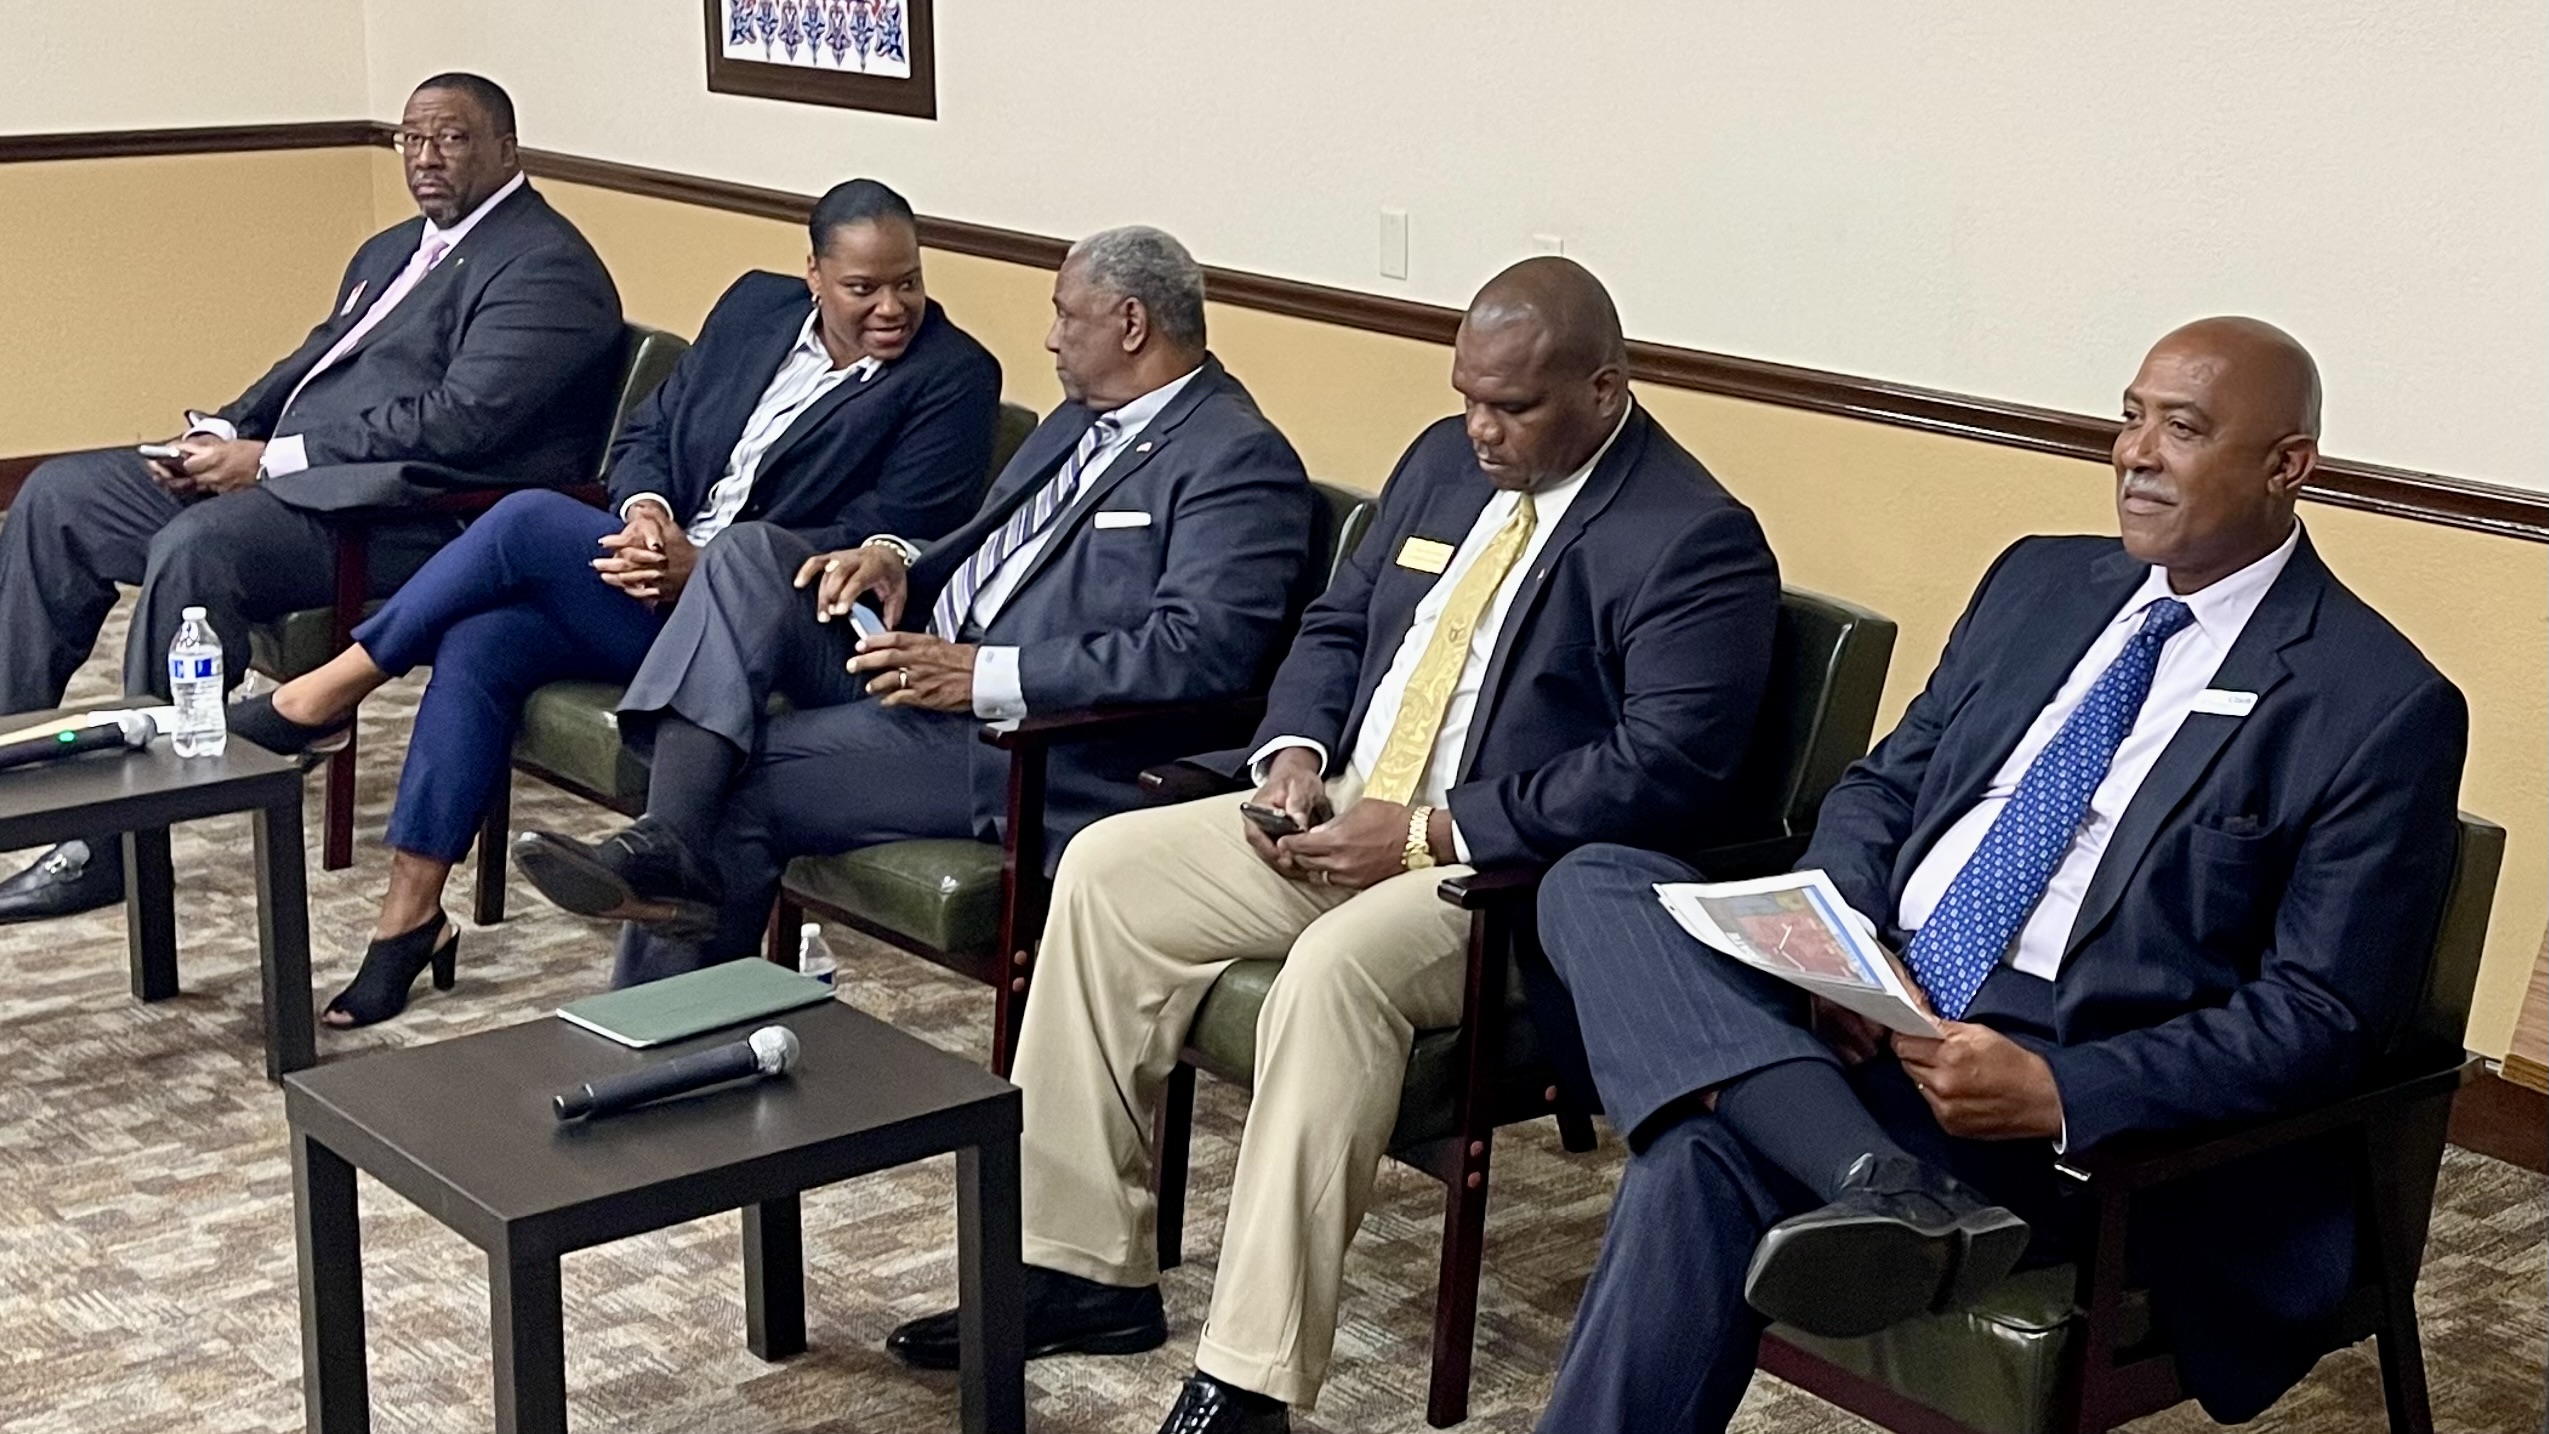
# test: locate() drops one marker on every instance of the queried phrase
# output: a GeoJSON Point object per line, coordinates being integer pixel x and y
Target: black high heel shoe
{"type": "Point", "coordinates": [379, 990]}
{"type": "Point", "coordinates": [256, 720]}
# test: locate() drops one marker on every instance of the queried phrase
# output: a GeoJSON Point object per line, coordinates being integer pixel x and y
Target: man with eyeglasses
{"type": "Point", "coordinates": [478, 344]}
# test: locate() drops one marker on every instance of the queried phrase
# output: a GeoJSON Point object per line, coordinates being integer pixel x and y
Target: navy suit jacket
{"type": "Point", "coordinates": [1626, 677]}
{"type": "Point", "coordinates": [904, 452]}
{"type": "Point", "coordinates": [2256, 933]}
{"type": "Point", "coordinates": [1170, 578]}
{"type": "Point", "coordinates": [499, 368]}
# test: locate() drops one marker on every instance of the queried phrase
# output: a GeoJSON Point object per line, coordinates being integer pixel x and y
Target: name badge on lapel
{"type": "Point", "coordinates": [1116, 518]}
{"type": "Point", "coordinates": [1425, 555]}
{"type": "Point", "coordinates": [353, 298]}
{"type": "Point", "coordinates": [2222, 702]}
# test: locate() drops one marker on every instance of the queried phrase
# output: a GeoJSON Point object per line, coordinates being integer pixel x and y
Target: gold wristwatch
{"type": "Point", "coordinates": [1420, 850]}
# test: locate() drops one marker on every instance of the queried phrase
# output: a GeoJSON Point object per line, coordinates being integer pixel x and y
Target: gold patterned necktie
{"type": "Point", "coordinates": [1429, 688]}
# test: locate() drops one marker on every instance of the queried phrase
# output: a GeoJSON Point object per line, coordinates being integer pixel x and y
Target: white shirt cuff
{"type": "Point", "coordinates": [1460, 844]}
{"type": "Point", "coordinates": [2062, 1142]}
{"type": "Point", "coordinates": [284, 455]}
{"type": "Point", "coordinates": [996, 694]}
{"type": "Point", "coordinates": [658, 499]}
{"type": "Point", "coordinates": [205, 425]}
{"type": "Point", "coordinates": [1257, 760]}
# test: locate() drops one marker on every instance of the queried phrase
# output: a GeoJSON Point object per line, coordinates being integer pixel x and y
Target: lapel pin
{"type": "Point", "coordinates": [1142, 447]}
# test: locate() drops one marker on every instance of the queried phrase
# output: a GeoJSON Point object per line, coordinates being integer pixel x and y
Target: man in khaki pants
{"type": "Point", "coordinates": [1557, 632]}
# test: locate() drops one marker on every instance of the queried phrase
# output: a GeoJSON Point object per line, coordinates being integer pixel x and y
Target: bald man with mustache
{"type": "Point", "coordinates": [2163, 843]}
{"type": "Point", "coordinates": [1558, 631]}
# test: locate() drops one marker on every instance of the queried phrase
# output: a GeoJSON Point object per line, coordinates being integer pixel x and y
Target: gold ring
{"type": "Point", "coordinates": [1323, 876]}
{"type": "Point", "coordinates": [904, 673]}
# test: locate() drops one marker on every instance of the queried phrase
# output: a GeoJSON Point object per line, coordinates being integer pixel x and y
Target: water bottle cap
{"type": "Point", "coordinates": [811, 928]}
{"type": "Point", "coordinates": [192, 614]}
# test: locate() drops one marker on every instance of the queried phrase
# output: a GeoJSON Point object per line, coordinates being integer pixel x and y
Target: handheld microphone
{"type": "Point", "coordinates": [770, 1051]}
{"type": "Point", "coordinates": [131, 730]}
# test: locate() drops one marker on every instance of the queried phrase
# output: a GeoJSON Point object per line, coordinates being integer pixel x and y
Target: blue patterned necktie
{"type": "Point", "coordinates": [1987, 904]}
{"type": "Point", "coordinates": [1030, 518]}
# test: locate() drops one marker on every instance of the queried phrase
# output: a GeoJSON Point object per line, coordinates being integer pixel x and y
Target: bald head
{"type": "Point", "coordinates": [2277, 375]}
{"type": "Point", "coordinates": [1543, 369]}
{"type": "Point", "coordinates": [2221, 432]}
{"type": "Point", "coordinates": [1561, 304]}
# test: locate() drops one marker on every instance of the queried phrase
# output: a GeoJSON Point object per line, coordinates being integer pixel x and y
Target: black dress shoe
{"type": "Point", "coordinates": [1902, 1238]}
{"type": "Point", "coordinates": [639, 873]}
{"type": "Point", "coordinates": [73, 877]}
{"type": "Point", "coordinates": [1207, 1406]}
{"type": "Point", "coordinates": [256, 720]}
{"type": "Point", "coordinates": [1065, 1315]}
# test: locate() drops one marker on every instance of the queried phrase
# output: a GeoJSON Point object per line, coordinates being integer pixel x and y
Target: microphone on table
{"type": "Point", "coordinates": [770, 1051]}
{"type": "Point", "coordinates": [130, 730]}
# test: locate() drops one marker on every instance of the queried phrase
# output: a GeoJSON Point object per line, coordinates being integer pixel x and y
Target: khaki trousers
{"type": "Point", "coordinates": [1148, 908]}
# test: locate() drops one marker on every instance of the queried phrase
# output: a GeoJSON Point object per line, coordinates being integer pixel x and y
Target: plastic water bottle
{"type": "Point", "coordinates": [814, 954]}
{"type": "Point", "coordinates": [194, 684]}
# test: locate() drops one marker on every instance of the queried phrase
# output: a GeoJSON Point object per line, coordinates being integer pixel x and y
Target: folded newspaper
{"type": "Point", "coordinates": [1797, 928]}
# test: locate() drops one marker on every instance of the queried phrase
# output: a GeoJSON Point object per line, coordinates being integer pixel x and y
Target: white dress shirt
{"type": "Point", "coordinates": [2187, 664]}
{"type": "Point", "coordinates": [997, 695]}
{"type": "Point", "coordinates": [805, 375]}
{"type": "Point", "coordinates": [1451, 741]}
{"type": "Point", "coordinates": [286, 454]}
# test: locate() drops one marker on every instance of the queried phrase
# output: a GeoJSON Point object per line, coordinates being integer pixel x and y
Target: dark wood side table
{"type": "Point", "coordinates": [141, 794]}
{"type": "Point", "coordinates": [464, 1129]}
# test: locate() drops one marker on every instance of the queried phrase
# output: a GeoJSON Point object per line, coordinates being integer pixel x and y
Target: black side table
{"type": "Point", "coordinates": [465, 1131]}
{"type": "Point", "coordinates": [141, 794]}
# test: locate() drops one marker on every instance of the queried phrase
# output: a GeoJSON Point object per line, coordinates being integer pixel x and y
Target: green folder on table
{"type": "Point", "coordinates": [727, 994]}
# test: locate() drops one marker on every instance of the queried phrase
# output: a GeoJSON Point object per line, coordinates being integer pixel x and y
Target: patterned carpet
{"type": "Point", "coordinates": [146, 1262]}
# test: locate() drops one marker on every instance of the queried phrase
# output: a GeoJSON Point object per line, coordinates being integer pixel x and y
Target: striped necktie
{"type": "Point", "coordinates": [1400, 769]}
{"type": "Point", "coordinates": [1987, 904]}
{"type": "Point", "coordinates": [1030, 518]}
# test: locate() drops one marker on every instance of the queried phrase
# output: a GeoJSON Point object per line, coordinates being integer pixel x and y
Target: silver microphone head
{"type": "Point", "coordinates": [138, 728]}
{"type": "Point", "coordinates": [777, 1049]}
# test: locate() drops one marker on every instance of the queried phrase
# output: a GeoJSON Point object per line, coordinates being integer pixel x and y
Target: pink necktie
{"type": "Point", "coordinates": [408, 278]}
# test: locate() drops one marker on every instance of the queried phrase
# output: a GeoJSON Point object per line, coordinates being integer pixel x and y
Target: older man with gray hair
{"type": "Point", "coordinates": [1148, 543]}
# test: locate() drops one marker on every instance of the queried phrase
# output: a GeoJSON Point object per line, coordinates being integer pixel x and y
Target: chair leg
{"type": "Point", "coordinates": [1456, 1291]}
{"type": "Point", "coordinates": [779, 939]}
{"type": "Point", "coordinates": [336, 851]}
{"type": "Point", "coordinates": [1170, 1147]}
{"type": "Point", "coordinates": [495, 829]}
{"type": "Point", "coordinates": [1575, 1129]}
{"type": "Point", "coordinates": [1009, 1011]}
{"type": "Point", "coordinates": [2398, 1234]}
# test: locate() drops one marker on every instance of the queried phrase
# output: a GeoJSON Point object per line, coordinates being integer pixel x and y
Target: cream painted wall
{"type": "Point", "coordinates": [180, 62]}
{"type": "Point", "coordinates": [1904, 522]}
{"type": "Point", "coordinates": [2001, 197]}
{"type": "Point", "coordinates": [115, 324]}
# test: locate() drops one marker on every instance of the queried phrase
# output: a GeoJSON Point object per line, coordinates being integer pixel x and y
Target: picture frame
{"type": "Point", "coordinates": [876, 55]}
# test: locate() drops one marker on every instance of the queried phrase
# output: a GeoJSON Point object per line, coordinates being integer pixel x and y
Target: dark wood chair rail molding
{"type": "Point", "coordinates": [2397, 492]}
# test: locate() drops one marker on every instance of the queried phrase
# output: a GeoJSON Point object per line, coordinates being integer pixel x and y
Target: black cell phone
{"type": "Point", "coordinates": [1273, 821]}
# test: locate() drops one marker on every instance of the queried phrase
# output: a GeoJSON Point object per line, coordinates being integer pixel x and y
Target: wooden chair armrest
{"type": "Point", "coordinates": [1185, 782]}
{"type": "Point", "coordinates": [1495, 887]}
{"type": "Point", "coordinates": [2133, 1163]}
{"type": "Point", "coordinates": [1049, 729]}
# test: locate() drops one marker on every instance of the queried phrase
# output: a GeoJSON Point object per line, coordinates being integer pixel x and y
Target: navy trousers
{"type": "Point", "coordinates": [1664, 1340]}
{"type": "Point", "coordinates": [509, 605]}
{"type": "Point", "coordinates": [87, 521]}
{"type": "Point", "coordinates": [833, 773]}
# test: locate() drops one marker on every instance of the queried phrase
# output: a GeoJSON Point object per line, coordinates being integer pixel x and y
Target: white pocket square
{"type": "Point", "coordinates": [1122, 520]}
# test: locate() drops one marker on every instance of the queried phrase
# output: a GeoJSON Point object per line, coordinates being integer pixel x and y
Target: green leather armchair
{"type": "Point", "coordinates": [570, 735]}
{"type": "Point", "coordinates": [2070, 1349]}
{"type": "Point", "coordinates": [1497, 1067]}
{"type": "Point", "coordinates": [976, 908]}
{"type": "Point", "coordinates": [299, 642]}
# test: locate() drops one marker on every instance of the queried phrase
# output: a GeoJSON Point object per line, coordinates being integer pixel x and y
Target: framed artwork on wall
{"type": "Point", "coordinates": [858, 54]}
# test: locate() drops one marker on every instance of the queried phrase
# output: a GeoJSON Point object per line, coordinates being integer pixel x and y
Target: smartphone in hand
{"type": "Point", "coordinates": [161, 452]}
{"type": "Point", "coordinates": [1275, 822]}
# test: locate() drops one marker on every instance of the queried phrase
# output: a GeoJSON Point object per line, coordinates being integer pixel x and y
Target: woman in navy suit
{"type": "Point", "coordinates": [865, 411]}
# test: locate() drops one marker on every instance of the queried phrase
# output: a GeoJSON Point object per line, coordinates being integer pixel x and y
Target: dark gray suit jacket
{"type": "Point", "coordinates": [499, 368]}
{"type": "Point", "coordinates": [1171, 578]}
